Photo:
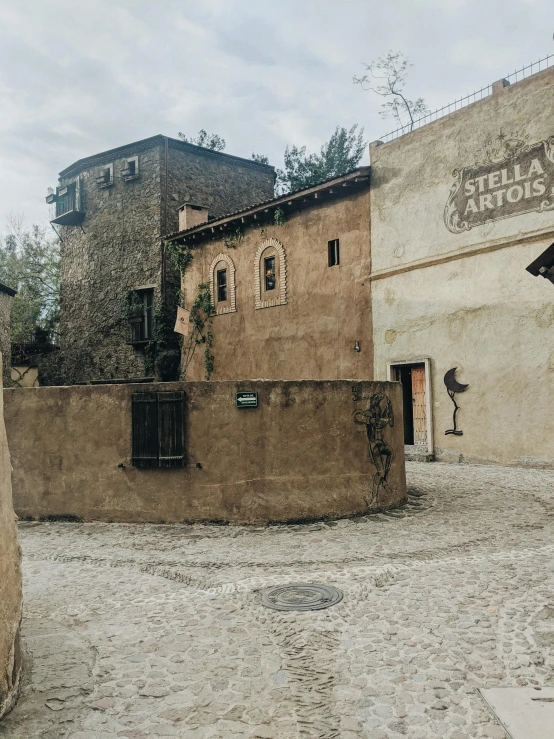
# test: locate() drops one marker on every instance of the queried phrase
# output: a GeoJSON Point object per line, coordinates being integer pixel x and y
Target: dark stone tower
{"type": "Point", "coordinates": [110, 211]}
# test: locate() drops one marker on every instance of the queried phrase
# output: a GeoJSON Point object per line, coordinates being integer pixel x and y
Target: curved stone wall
{"type": "Point", "coordinates": [310, 449]}
{"type": "Point", "coordinates": [10, 580]}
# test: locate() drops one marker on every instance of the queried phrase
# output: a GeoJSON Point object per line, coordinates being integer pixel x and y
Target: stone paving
{"type": "Point", "coordinates": [157, 631]}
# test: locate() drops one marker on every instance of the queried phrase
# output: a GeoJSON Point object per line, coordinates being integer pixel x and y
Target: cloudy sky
{"type": "Point", "coordinates": [80, 77]}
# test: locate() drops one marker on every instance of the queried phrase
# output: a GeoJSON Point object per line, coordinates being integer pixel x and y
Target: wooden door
{"type": "Point", "coordinates": [419, 405]}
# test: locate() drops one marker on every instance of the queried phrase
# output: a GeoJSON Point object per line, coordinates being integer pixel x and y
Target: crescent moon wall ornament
{"type": "Point", "coordinates": [453, 387]}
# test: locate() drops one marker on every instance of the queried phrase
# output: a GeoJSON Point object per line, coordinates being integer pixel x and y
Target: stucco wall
{"type": "Point", "coordinates": [300, 454]}
{"type": "Point", "coordinates": [5, 340]}
{"type": "Point", "coordinates": [328, 309]}
{"type": "Point", "coordinates": [10, 580]}
{"type": "Point", "coordinates": [464, 299]}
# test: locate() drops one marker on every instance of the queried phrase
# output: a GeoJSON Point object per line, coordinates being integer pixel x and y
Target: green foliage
{"type": "Point", "coordinates": [260, 158]}
{"type": "Point", "coordinates": [206, 140]}
{"type": "Point", "coordinates": [167, 364]}
{"type": "Point", "coordinates": [162, 355]}
{"type": "Point", "coordinates": [340, 154]}
{"type": "Point", "coordinates": [30, 264]}
{"type": "Point", "coordinates": [232, 239]}
{"type": "Point", "coordinates": [201, 314]}
{"type": "Point", "coordinates": [181, 256]}
{"type": "Point", "coordinates": [134, 305]}
{"type": "Point", "coordinates": [392, 71]}
{"type": "Point", "coordinates": [279, 218]}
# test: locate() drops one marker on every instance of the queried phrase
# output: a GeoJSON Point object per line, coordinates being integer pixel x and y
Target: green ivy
{"type": "Point", "coordinates": [232, 240]}
{"type": "Point", "coordinates": [181, 256]}
{"type": "Point", "coordinates": [163, 354]}
{"type": "Point", "coordinates": [201, 315]}
{"type": "Point", "coordinates": [133, 306]}
{"type": "Point", "coordinates": [279, 218]}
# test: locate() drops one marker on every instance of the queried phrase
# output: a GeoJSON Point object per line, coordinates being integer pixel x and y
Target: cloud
{"type": "Point", "coordinates": [79, 78]}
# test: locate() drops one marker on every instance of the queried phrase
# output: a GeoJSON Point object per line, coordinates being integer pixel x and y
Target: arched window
{"type": "Point", "coordinates": [270, 274]}
{"type": "Point", "coordinates": [222, 285]}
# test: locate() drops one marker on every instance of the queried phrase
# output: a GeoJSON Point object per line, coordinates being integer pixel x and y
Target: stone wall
{"type": "Point", "coordinates": [119, 247]}
{"type": "Point", "coordinates": [5, 339]}
{"type": "Point", "coordinates": [10, 580]}
{"type": "Point", "coordinates": [327, 310]}
{"type": "Point", "coordinates": [117, 250]}
{"type": "Point", "coordinates": [302, 453]}
{"type": "Point", "coordinates": [461, 296]}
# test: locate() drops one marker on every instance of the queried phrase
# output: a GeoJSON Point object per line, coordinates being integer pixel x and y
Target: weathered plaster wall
{"type": "Point", "coordinates": [464, 299]}
{"type": "Point", "coordinates": [328, 308]}
{"type": "Point", "coordinates": [300, 454]}
{"type": "Point", "coordinates": [10, 580]}
{"type": "Point", "coordinates": [5, 340]}
{"type": "Point", "coordinates": [119, 248]}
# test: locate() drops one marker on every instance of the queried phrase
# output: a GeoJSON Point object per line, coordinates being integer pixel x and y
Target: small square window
{"type": "Point", "coordinates": [105, 177]}
{"type": "Point", "coordinates": [269, 273]}
{"type": "Point", "coordinates": [333, 252]}
{"type": "Point", "coordinates": [221, 285]}
{"type": "Point", "coordinates": [131, 169]}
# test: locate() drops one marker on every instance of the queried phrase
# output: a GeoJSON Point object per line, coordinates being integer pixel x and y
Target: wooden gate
{"type": "Point", "coordinates": [419, 405]}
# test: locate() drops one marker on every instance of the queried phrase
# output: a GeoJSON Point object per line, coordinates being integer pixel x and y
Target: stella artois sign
{"type": "Point", "coordinates": [517, 178]}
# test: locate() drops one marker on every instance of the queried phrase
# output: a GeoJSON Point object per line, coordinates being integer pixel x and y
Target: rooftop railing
{"type": "Point", "coordinates": [517, 76]}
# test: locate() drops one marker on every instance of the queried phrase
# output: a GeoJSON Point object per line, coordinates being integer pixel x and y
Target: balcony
{"type": "Point", "coordinates": [68, 205]}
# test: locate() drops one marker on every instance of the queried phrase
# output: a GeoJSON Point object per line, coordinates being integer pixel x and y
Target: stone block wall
{"type": "Point", "coordinates": [117, 250]}
{"type": "Point", "coordinates": [10, 581]}
{"type": "Point", "coordinates": [307, 451]}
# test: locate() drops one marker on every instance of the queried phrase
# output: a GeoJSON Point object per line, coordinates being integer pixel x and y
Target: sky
{"type": "Point", "coordinates": [80, 77]}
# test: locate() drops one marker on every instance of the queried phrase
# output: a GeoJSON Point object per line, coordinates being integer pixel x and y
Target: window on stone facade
{"type": "Point", "coordinates": [142, 316]}
{"type": "Point", "coordinates": [105, 177]}
{"type": "Point", "coordinates": [131, 169]}
{"type": "Point", "coordinates": [333, 249]}
{"type": "Point", "coordinates": [221, 285]}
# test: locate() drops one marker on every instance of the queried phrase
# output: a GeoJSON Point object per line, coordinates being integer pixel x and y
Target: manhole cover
{"type": "Point", "coordinates": [300, 597]}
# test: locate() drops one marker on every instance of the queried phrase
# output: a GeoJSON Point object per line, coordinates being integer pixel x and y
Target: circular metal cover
{"type": "Point", "coordinates": [300, 597]}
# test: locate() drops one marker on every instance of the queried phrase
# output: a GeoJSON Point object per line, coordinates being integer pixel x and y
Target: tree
{"type": "Point", "coordinates": [206, 140]}
{"type": "Point", "coordinates": [340, 154]}
{"type": "Point", "coordinates": [30, 264]}
{"type": "Point", "coordinates": [393, 70]}
{"type": "Point", "coordinates": [260, 158]}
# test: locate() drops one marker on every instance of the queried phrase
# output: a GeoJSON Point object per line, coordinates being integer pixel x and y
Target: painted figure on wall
{"type": "Point", "coordinates": [453, 387]}
{"type": "Point", "coordinates": [376, 418]}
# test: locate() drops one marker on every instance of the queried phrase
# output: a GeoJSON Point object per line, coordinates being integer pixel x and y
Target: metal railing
{"type": "Point", "coordinates": [517, 76]}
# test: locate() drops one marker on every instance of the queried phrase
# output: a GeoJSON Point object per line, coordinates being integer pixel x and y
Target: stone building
{"type": "Point", "coordinates": [110, 210]}
{"type": "Point", "coordinates": [460, 208]}
{"type": "Point", "coordinates": [287, 280]}
{"type": "Point", "coordinates": [6, 296]}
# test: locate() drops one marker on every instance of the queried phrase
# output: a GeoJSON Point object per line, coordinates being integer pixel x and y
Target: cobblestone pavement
{"type": "Point", "coordinates": [157, 631]}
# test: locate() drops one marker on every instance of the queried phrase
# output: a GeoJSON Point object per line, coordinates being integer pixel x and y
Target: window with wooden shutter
{"type": "Point", "coordinates": [157, 429]}
{"type": "Point", "coordinates": [170, 429]}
